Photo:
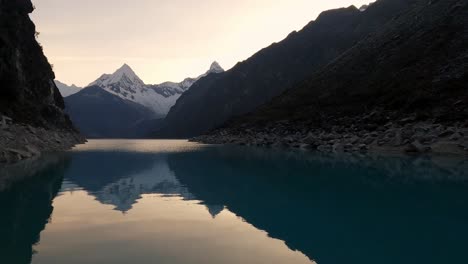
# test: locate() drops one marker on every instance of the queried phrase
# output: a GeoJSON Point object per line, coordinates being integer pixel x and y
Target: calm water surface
{"type": "Point", "coordinates": [149, 201]}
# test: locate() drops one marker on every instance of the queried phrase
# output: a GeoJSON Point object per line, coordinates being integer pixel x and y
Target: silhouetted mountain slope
{"type": "Point", "coordinates": [27, 91]}
{"type": "Point", "coordinates": [417, 62]}
{"type": "Point", "coordinates": [213, 100]}
{"type": "Point", "coordinates": [412, 70]}
{"type": "Point", "coordinates": [28, 95]}
{"type": "Point", "coordinates": [100, 114]}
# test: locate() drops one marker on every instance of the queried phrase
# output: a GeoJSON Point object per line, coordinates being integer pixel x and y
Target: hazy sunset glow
{"type": "Point", "coordinates": [164, 39]}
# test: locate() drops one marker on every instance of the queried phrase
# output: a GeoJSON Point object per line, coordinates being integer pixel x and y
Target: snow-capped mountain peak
{"type": "Point", "coordinates": [159, 98]}
{"type": "Point", "coordinates": [124, 75]}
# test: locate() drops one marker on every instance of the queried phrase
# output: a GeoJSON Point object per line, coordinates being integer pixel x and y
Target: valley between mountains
{"type": "Point", "coordinates": [121, 105]}
{"type": "Point", "coordinates": [391, 75]}
{"type": "Point", "coordinates": [387, 76]}
{"type": "Point", "coordinates": [343, 142]}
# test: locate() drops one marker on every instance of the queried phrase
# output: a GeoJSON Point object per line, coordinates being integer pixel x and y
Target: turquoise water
{"type": "Point", "coordinates": [123, 201]}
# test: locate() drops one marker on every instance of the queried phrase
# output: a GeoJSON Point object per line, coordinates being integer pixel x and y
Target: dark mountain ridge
{"type": "Point", "coordinates": [419, 56]}
{"type": "Point", "coordinates": [404, 86]}
{"type": "Point", "coordinates": [100, 114]}
{"type": "Point", "coordinates": [213, 100]}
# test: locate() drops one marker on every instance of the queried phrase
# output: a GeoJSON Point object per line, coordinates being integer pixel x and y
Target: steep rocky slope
{"type": "Point", "coordinates": [31, 108]}
{"type": "Point", "coordinates": [213, 100]}
{"type": "Point", "coordinates": [403, 88]}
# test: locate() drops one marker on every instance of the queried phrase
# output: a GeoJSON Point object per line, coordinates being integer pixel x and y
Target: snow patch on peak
{"type": "Point", "coordinates": [365, 7]}
{"type": "Point", "coordinates": [159, 98]}
{"type": "Point", "coordinates": [123, 74]}
{"type": "Point", "coordinates": [216, 68]}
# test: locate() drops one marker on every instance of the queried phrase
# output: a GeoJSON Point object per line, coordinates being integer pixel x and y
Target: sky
{"type": "Point", "coordinates": [164, 40]}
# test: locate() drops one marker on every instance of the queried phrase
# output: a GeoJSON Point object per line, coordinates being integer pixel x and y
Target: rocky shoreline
{"type": "Point", "coordinates": [20, 141]}
{"type": "Point", "coordinates": [407, 135]}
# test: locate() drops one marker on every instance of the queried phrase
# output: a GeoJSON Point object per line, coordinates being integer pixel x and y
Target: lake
{"type": "Point", "coordinates": [169, 201]}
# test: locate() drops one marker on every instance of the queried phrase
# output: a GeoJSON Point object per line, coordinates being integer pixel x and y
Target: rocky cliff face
{"type": "Point", "coordinates": [29, 98]}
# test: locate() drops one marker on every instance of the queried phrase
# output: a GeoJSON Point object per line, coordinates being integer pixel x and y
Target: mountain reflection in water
{"type": "Point", "coordinates": [331, 208]}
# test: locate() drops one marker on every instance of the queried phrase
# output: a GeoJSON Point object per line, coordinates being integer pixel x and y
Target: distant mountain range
{"type": "Point", "coordinates": [159, 98]}
{"type": "Point", "coordinates": [67, 90]}
{"type": "Point", "coordinates": [122, 105]}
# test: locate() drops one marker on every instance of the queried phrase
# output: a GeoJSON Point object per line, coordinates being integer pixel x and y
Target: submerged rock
{"type": "Point", "coordinates": [417, 147]}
